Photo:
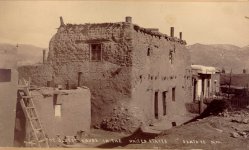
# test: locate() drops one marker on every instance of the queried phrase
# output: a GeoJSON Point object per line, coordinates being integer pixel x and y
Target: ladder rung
{"type": "Point", "coordinates": [26, 96]}
{"type": "Point", "coordinates": [34, 118]}
{"type": "Point", "coordinates": [30, 107]}
{"type": "Point", "coordinates": [44, 140]}
{"type": "Point", "coordinates": [39, 129]}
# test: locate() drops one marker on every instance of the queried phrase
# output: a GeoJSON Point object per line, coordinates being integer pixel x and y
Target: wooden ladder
{"type": "Point", "coordinates": [27, 104]}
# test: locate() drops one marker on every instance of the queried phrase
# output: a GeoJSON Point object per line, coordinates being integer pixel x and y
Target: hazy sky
{"type": "Point", "coordinates": [31, 22]}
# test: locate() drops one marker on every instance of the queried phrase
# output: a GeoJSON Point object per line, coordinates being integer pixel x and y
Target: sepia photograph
{"type": "Point", "coordinates": [124, 74]}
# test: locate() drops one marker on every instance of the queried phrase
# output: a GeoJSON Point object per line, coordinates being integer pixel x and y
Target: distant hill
{"type": "Point", "coordinates": [217, 55]}
{"type": "Point", "coordinates": [26, 54]}
{"type": "Point", "coordinates": [221, 55]}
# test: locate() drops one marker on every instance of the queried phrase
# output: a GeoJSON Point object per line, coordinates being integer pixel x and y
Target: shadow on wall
{"type": "Point", "coordinates": [20, 127]}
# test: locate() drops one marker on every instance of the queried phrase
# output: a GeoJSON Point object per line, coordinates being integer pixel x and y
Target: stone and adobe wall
{"type": "Point", "coordinates": [133, 64]}
{"type": "Point", "coordinates": [124, 80]}
{"type": "Point", "coordinates": [108, 79]}
{"type": "Point", "coordinates": [8, 90]}
{"type": "Point", "coordinates": [161, 74]}
{"type": "Point", "coordinates": [38, 73]}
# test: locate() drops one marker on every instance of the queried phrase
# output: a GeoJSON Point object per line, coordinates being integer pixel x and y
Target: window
{"type": "Point", "coordinates": [171, 54]}
{"type": "Point", "coordinates": [57, 110]}
{"type": "Point", "coordinates": [174, 94]}
{"type": "Point", "coordinates": [96, 52]}
{"type": "Point", "coordinates": [5, 75]}
{"type": "Point", "coordinates": [148, 52]}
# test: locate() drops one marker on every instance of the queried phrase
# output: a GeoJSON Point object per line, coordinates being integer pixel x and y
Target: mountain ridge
{"type": "Point", "coordinates": [225, 56]}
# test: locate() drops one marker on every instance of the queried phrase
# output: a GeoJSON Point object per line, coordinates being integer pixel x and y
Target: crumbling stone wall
{"type": "Point", "coordinates": [39, 73]}
{"type": "Point", "coordinates": [109, 79]}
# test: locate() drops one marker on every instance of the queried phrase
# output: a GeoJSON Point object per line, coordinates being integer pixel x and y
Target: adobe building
{"type": "Point", "coordinates": [8, 90]}
{"type": "Point", "coordinates": [61, 113]}
{"type": "Point", "coordinates": [136, 75]}
{"type": "Point", "coordinates": [206, 81]}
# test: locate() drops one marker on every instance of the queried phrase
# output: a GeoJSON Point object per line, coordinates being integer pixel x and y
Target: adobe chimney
{"type": "Point", "coordinates": [128, 19]}
{"type": "Point", "coordinates": [172, 31]}
{"type": "Point", "coordinates": [180, 35]}
{"type": "Point", "coordinates": [61, 21]}
{"type": "Point", "coordinates": [44, 56]}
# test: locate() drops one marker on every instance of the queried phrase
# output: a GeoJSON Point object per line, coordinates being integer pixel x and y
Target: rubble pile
{"type": "Point", "coordinates": [122, 120]}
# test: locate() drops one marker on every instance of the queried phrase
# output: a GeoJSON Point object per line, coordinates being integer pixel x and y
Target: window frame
{"type": "Point", "coordinates": [101, 52]}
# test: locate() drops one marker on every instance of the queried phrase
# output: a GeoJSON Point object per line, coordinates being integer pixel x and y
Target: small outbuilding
{"type": "Point", "coordinates": [206, 81]}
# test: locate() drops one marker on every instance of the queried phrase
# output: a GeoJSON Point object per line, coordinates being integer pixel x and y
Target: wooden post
{"type": "Point", "coordinates": [44, 56]}
{"type": "Point", "coordinates": [201, 103]}
{"type": "Point", "coordinates": [29, 82]}
{"type": "Point", "coordinates": [67, 85]}
{"type": "Point", "coordinates": [79, 78]}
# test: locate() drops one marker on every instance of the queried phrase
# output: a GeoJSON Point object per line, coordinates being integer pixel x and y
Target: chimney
{"type": "Point", "coordinates": [128, 19]}
{"type": "Point", "coordinates": [62, 22]}
{"type": "Point", "coordinates": [44, 56]}
{"type": "Point", "coordinates": [172, 31]}
{"type": "Point", "coordinates": [180, 35]}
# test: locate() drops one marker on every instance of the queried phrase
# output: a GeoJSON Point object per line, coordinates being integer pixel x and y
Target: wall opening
{"type": "Point", "coordinates": [148, 52]}
{"type": "Point", "coordinates": [174, 94]}
{"type": "Point", "coordinates": [164, 103]}
{"type": "Point", "coordinates": [57, 110]}
{"type": "Point", "coordinates": [96, 52]}
{"type": "Point", "coordinates": [5, 75]}
{"type": "Point", "coordinates": [171, 56]}
{"type": "Point", "coordinates": [156, 105]}
{"type": "Point", "coordinates": [79, 78]}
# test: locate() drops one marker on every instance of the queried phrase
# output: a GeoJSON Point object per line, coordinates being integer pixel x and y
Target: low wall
{"type": "Point", "coordinates": [74, 113]}
{"type": "Point", "coordinates": [39, 73]}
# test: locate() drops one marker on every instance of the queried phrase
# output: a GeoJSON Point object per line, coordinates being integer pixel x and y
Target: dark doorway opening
{"type": "Point", "coordinates": [79, 78]}
{"type": "Point", "coordinates": [164, 103]}
{"type": "Point", "coordinates": [174, 94]}
{"type": "Point", "coordinates": [156, 105]}
{"type": "Point", "coordinates": [195, 86]}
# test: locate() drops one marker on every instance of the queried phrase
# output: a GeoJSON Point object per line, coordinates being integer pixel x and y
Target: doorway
{"type": "Point", "coordinates": [156, 105]}
{"type": "Point", "coordinates": [164, 103]}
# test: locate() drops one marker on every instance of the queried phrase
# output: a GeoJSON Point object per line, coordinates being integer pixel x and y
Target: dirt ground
{"type": "Point", "coordinates": [228, 130]}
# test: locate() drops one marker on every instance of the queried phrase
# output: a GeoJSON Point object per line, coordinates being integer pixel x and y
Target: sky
{"type": "Point", "coordinates": [35, 22]}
